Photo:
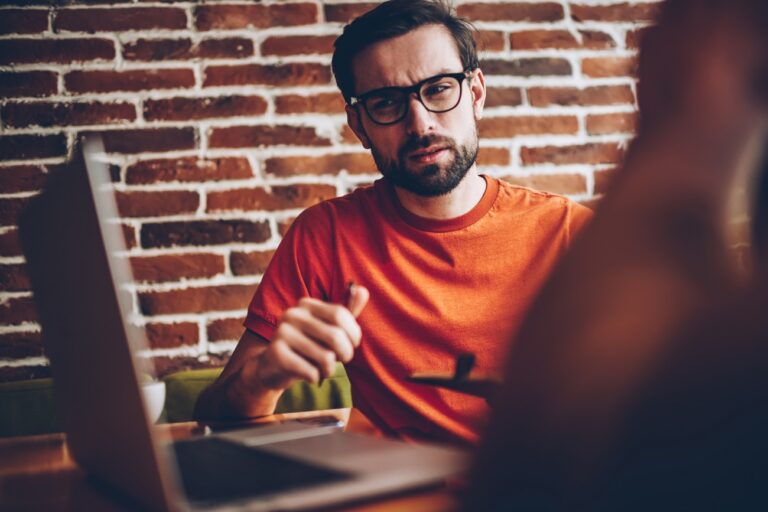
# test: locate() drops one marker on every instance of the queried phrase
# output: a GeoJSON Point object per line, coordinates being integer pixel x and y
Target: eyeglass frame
{"type": "Point", "coordinates": [408, 90]}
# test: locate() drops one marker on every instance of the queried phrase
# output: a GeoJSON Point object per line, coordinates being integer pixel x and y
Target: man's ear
{"type": "Point", "coordinates": [354, 122]}
{"type": "Point", "coordinates": [477, 88]}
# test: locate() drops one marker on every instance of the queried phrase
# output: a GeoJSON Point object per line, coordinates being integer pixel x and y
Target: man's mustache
{"type": "Point", "coordinates": [424, 141]}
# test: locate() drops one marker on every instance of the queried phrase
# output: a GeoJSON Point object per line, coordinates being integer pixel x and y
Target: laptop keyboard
{"type": "Point", "coordinates": [215, 471]}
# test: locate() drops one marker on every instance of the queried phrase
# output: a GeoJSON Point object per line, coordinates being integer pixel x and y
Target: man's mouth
{"type": "Point", "coordinates": [427, 155]}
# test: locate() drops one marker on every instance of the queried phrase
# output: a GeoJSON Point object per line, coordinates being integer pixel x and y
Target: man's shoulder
{"type": "Point", "coordinates": [518, 198]}
{"type": "Point", "coordinates": [341, 208]}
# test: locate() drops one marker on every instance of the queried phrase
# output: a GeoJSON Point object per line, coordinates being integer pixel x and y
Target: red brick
{"type": "Point", "coordinates": [180, 334]}
{"type": "Point", "coordinates": [493, 156]}
{"type": "Point", "coordinates": [544, 66]}
{"type": "Point", "coordinates": [21, 178]}
{"type": "Point", "coordinates": [188, 169]}
{"type": "Point", "coordinates": [584, 154]}
{"type": "Point", "coordinates": [31, 83]}
{"type": "Point", "coordinates": [115, 19]}
{"type": "Point", "coordinates": [511, 126]}
{"type": "Point", "coordinates": [17, 310]}
{"type": "Point", "coordinates": [18, 147]}
{"type": "Point", "coordinates": [348, 136]}
{"type": "Point", "coordinates": [169, 234]}
{"type": "Point", "coordinates": [297, 45]}
{"type": "Point", "coordinates": [560, 39]}
{"type": "Point", "coordinates": [282, 197]}
{"type": "Point", "coordinates": [250, 263]}
{"type": "Point", "coordinates": [9, 243]}
{"type": "Point", "coordinates": [538, 11]}
{"type": "Point", "coordinates": [59, 51]}
{"type": "Point", "coordinates": [603, 180]}
{"type": "Point", "coordinates": [554, 183]}
{"type": "Point", "coordinates": [18, 345]}
{"type": "Point", "coordinates": [213, 17]}
{"type": "Point", "coordinates": [600, 124]}
{"type": "Point", "coordinates": [154, 50]}
{"type": "Point", "coordinates": [634, 38]}
{"type": "Point", "coordinates": [503, 97]}
{"type": "Point", "coordinates": [129, 236]}
{"type": "Point", "coordinates": [155, 204]}
{"type": "Point", "coordinates": [344, 13]}
{"type": "Point", "coordinates": [10, 209]}
{"type": "Point", "coordinates": [601, 67]}
{"type": "Point", "coordinates": [23, 21]}
{"type": "Point", "coordinates": [283, 225]}
{"type": "Point", "coordinates": [47, 114]}
{"type": "Point", "coordinates": [134, 80]}
{"type": "Point", "coordinates": [293, 74]}
{"type": "Point", "coordinates": [490, 40]}
{"type": "Point", "coordinates": [234, 297]}
{"type": "Point", "coordinates": [175, 267]}
{"type": "Point", "coordinates": [570, 96]}
{"type": "Point", "coordinates": [225, 329]}
{"type": "Point", "coordinates": [184, 109]}
{"type": "Point", "coordinates": [615, 12]}
{"type": "Point", "coordinates": [353, 163]}
{"type": "Point", "coordinates": [148, 140]}
{"type": "Point", "coordinates": [324, 103]}
{"type": "Point", "coordinates": [13, 278]}
{"type": "Point", "coordinates": [259, 136]}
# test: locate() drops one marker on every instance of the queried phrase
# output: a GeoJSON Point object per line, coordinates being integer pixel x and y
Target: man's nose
{"type": "Point", "coordinates": [418, 120]}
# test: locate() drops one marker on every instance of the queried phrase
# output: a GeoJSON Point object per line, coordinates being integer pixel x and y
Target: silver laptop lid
{"type": "Point", "coordinates": [70, 248]}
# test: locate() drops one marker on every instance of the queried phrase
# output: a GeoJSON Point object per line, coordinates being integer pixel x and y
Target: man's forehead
{"type": "Point", "coordinates": [404, 60]}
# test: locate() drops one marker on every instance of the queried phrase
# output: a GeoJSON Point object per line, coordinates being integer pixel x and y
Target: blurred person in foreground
{"type": "Point", "coordinates": [639, 380]}
{"type": "Point", "coordinates": [445, 260]}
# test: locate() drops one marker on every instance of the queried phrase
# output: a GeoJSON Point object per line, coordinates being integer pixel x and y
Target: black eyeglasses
{"type": "Point", "coordinates": [389, 105]}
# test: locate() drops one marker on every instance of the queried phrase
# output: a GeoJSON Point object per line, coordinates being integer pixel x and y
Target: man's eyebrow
{"type": "Point", "coordinates": [444, 71]}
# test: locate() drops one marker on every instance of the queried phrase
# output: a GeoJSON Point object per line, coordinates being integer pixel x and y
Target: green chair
{"type": "Point", "coordinates": [183, 388]}
{"type": "Point", "coordinates": [28, 407]}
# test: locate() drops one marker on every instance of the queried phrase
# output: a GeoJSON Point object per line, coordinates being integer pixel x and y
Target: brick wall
{"type": "Point", "coordinates": [222, 123]}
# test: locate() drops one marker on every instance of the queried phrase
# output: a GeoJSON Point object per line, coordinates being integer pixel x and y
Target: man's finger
{"type": "Point", "coordinates": [334, 315]}
{"type": "Point", "coordinates": [327, 331]}
{"type": "Point", "coordinates": [358, 298]}
{"type": "Point", "coordinates": [305, 346]}
{"type": "Point", "coordinates": [288, 365]}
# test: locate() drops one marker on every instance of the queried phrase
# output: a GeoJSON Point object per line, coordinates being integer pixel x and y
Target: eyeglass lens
{"type": "Point", "coordinates": [390, 105]}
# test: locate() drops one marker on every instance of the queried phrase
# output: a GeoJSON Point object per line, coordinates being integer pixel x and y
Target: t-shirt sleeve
{"type": "Point", "coordinates": [299, 268]}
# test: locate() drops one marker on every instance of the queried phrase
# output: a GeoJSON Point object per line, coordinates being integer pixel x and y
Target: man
{"type": "Point", "coordinates": [444, 260]}
{"type": "Point", "coordinates": [649, 392]}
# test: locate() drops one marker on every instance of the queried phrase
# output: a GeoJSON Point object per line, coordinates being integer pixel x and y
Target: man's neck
{"type": "Point", "coordinates": [454, 204]}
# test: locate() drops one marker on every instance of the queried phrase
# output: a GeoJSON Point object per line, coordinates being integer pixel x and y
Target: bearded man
{"type": "Point", "coordinates": [445, 261]}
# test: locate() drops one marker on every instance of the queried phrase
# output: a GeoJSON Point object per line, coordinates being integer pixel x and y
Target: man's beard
{"type": "Point", "coordinates": [431, 180]}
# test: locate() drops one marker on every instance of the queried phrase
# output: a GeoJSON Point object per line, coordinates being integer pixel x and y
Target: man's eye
{"type": "Point", "coordinates": [382, 103]}
{"type": "Point", "coordinates": [437, 89]}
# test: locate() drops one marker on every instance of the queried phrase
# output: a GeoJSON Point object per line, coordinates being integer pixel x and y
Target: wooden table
{"type": "Point", "coordinates": [37, 473]}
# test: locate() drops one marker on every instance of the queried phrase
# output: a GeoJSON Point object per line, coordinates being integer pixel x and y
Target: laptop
{"type": "Point", "coordinates": [73, 247]}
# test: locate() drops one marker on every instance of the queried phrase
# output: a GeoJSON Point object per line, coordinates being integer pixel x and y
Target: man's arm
{"type": "Point", "coordinates": [308, 341]}
{"type": "Point", "coordinates": [236, 393]}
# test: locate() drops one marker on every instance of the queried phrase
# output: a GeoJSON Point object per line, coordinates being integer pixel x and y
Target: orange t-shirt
{"type": "Point", "coordinates": [439, 288]}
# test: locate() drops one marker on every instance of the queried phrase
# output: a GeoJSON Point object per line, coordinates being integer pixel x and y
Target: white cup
{"type": "Point", "coordinates": [154, 398]}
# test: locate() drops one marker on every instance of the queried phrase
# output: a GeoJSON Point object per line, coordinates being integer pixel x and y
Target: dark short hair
{"type": "Point", "coordinates": [395, 18]}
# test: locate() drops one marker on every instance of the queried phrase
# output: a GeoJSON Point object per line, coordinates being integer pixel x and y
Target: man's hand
{"type": "Point", "coordinates": [310, 338]}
